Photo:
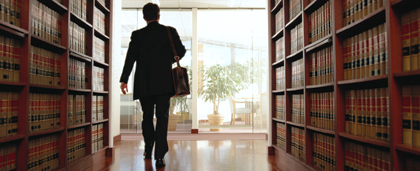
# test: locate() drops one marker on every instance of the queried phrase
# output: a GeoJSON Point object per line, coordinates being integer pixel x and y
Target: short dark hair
{"type": "Point", "coordinates": [151, 11]}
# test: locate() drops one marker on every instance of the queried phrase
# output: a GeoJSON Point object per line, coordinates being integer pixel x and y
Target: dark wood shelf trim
{"type": "Point", "coordinates": [80, 90]}
{"type": "Point", "coordinates": [405, 5]}
{"type": "Point", "coordinates": [46, 44]}
{"type": "Point", "coordinates": [278, 91]}
{"type": "Point", "coordinates": [278, 34]}
{"type": "Point", "coordinates": [324, 42]}
{"type": "Point", "coordinates": [100, 92]}
{"type": "Point", "coordinates": [104, 148]}
{"type": "Point", "coordinates": [277, 7]}
{"type": "Point", "coordinates": [408, 149]}
{"type": "Point", "coordinates": [314, 5]}
{"type": "Point", "coordinates": [364, 140]}
{"type": "Point", "coordinates": [47, 87]}
{"type": "Point", "coordinates": [278, 62]}
{"type": "Point", "coordinates": [361, 24]}
{"type": "Point", "coordinates": [407, 74]}
{"type": "Point", "coordinates": [56, 6]}
{"type": "Point", "coordinates": [294, 21]}
{"type": "Point", "coordinates": [295, 89]}
{"type": "Point", "coordinates": [46, 132]}
{"type": "Point", "coordinates": [78, 160]}
{"type": "Point", "coordinates": [325, 131]}
{"type": "Point", "coordinates": [80, 56]}
{"type": "Point", "coordinates": [101, 35]}
{"type": "Point", "coordinates": [102, 7]}
{"type": "Point", "coordinates": [295, 124]}
{"type": "Point", "coordinates": [10, 29]}
{"type": "Point", "coordinates": [362, 80]}
{"type": "Point", "coordinates": [20, 84]}
{"type": "Point", "coordinates": [78, 126]}
{"type": "Point", "coordinates": [79, 21]}
{"type": "Point", "coordinates": [278, 120]}
{"type": "Point", "coordinates": [300, 161]}
{"type": "Point", "coordinates": [12, 138]}
{"type": "Point", "coordinates": [320, 86]}
{"type": "Point", "coordinates": [295, 55]}
{"type": "Point", "coordinates": [101, 121]}
{"type": "Point", "coordinates": [278, 148]}
{"type": "Point", "coordinates": [100, 64]}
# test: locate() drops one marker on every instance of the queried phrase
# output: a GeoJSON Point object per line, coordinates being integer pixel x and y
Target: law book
{"type": "Point", "coordinates": [415, 99]}
{"type": "Point", "coordinates": [70, 109]}
{"type": "Point", "coordinates": [413, 40]}
{"type": "Point", "coordinates": [407, 116]}
{"type": "Point", "coordinates": [406, 41]}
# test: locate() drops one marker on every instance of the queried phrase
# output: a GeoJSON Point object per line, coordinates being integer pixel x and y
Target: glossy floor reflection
{"type": "Point", "coordinates": [228, 155]}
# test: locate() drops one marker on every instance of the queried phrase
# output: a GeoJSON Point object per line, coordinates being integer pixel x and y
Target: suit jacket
{"type": "Point", "coordinates": [151, 50]}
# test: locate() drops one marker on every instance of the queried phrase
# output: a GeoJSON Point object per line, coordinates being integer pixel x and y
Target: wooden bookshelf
{"type": "Point", "coordinates": [24, 88]}
{"type": "Point", "coordinates": [393, 80]}
{"type": "Point", "coordinates": [279, 120]}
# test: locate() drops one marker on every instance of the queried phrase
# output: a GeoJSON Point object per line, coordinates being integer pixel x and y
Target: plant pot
{"type": "Point", "coordinates": [173, 120]}
{"type": "Point", "coordinates": [215, 120]}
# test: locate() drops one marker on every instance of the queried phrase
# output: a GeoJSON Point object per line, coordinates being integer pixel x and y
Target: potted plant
{"type": "Point", "coordinates": [218, 83]}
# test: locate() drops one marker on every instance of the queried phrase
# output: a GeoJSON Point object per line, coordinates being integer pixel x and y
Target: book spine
{"type": "Point", "coordinates": [406, 41]}
{"type": "Point", "coordinates": [407, 116]}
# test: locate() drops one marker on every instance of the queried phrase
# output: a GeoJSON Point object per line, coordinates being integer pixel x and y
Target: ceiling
{"type": "Point", "coordinates": [198, 3]}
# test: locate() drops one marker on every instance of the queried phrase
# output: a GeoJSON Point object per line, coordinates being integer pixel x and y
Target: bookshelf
{"type": "Point", "coordinates": [394, 78]}
{"type": "Point", "coordinates": [54, 40]}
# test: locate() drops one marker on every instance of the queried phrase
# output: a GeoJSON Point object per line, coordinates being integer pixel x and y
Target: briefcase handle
{"type": "Point", "coordinates": [174, 50]}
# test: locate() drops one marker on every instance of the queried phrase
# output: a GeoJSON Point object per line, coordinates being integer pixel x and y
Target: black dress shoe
{"type": "Point", "coordinates": [147, 155]}
{"type": "Point", "coordinates": [160, 162]}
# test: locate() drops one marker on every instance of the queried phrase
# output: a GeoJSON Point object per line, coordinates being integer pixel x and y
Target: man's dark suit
{"type": "Point", "coordinates": [153, 85]}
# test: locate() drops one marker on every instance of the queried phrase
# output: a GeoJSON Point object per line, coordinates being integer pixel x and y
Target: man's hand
{"type": "Point", "coordinates": [124, 88]}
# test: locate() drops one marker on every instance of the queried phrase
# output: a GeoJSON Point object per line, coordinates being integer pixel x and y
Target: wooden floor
{"type": "Point", "coordinates": [226, 155]}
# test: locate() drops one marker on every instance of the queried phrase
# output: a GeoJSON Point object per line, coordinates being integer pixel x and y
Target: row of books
{"type": "Point", "coordinates": [44, 111]}
{"type": "Point", "coordinates": [411, 115]}
{"type": "Point", "coordinates": [99, 20]}
{"type": "Point", "coordinates": [410, 23]}
{"type": "Point", "coordinates": [45, 67]}
{"type": "Point", "coordinates": [412, 163]}
{"type": "Point", "coordinates": [99, 49]}
{"type": "Point", "coordinates": [320, 22]}
{"type": "Point", "coordinates": [360, 157]}
{"type": "Point", "coordinates": [98, 79]}
{"type": "Point", "coordinates": [322, 110]}
{"type": "Point", "coordinates": [321, 67]}
{"type": "Point", "coordinates": [10, 54]}
{"type": "Point", "coordinates": [76, 144]}
{"type": "Point", "coordinates": [367, 113]}
{"type": "Point", "coordinates": [298, 108]}
{"type": "Point", "coordinates": [76, 109]}
{"type": "Point", "coordinates": [280, 78]}
{"type": "Point", "coordinates": [365, 54]}
{"type": "Point", "coordinates": [77, 36]}
{"type": "Point", "coordinates": [295, 7]}
{"type": "Point", "coordinates": [279, 19]}
{"type": "Point", "coordinates": [280, 107]}
{"type": "Point", "coordinates": [280, 50]}
{"type": "Point", "coordinates": [9, 113]}
{"type": "Point", "coordinates": [298, 143]}
{"type": "Point", "coordinates": [97, 108]}
{"type": "Point", "coordinates": [8, 157]}
{"type": "Point", "coordinates": [78, 77]}
{"type": "Point", "coordinates": [10, 11]}
{"type": "Point", "coordinates": [46, 23]}
{"type": "Point", "coordinates": [281, 135]}
{"type": "Point", "coordinates": [97, 137]}
{"type": "Point", "coordinates": [298, 74]}
{"type": "Point", "coordinates": [79, 8]}
{"type": "Point", "coordinates": [323, 152]}
{"type": "Point", "coordinates": [296, 38]}
{"type": "Point", "coordinates": [43, 153]}
{"type": "Point", "coordinates": [354, 10]}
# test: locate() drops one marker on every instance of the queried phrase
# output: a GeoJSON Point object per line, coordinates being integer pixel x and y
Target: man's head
{"type": "Point", "coordinates": [151, 12]}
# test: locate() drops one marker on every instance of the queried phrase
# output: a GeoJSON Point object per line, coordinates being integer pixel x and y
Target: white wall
{"type": "Point", "coordinates": [116, 69]}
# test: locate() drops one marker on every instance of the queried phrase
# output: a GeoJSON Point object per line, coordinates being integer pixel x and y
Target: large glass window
{"type": "Point", "coordinates": [232, 57]}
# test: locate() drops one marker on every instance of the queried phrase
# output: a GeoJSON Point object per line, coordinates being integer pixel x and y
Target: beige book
{"type": "Point", "coordinates": [371, 53]}
{"type": "Point", "coordinates": [17, 56]}
{"type": "Point", "coordinates": [407, 116]}
{"type": "Point", "coordinates": [376, 50]}
{"type": "Point", "coordinates": [361, 56]}
{"type": "Point", "coordinates": [1, 55]}
{"type": "Point", "coordinates": [406, 41]}
{"type": "Point", "coordinates": [415, 99]}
